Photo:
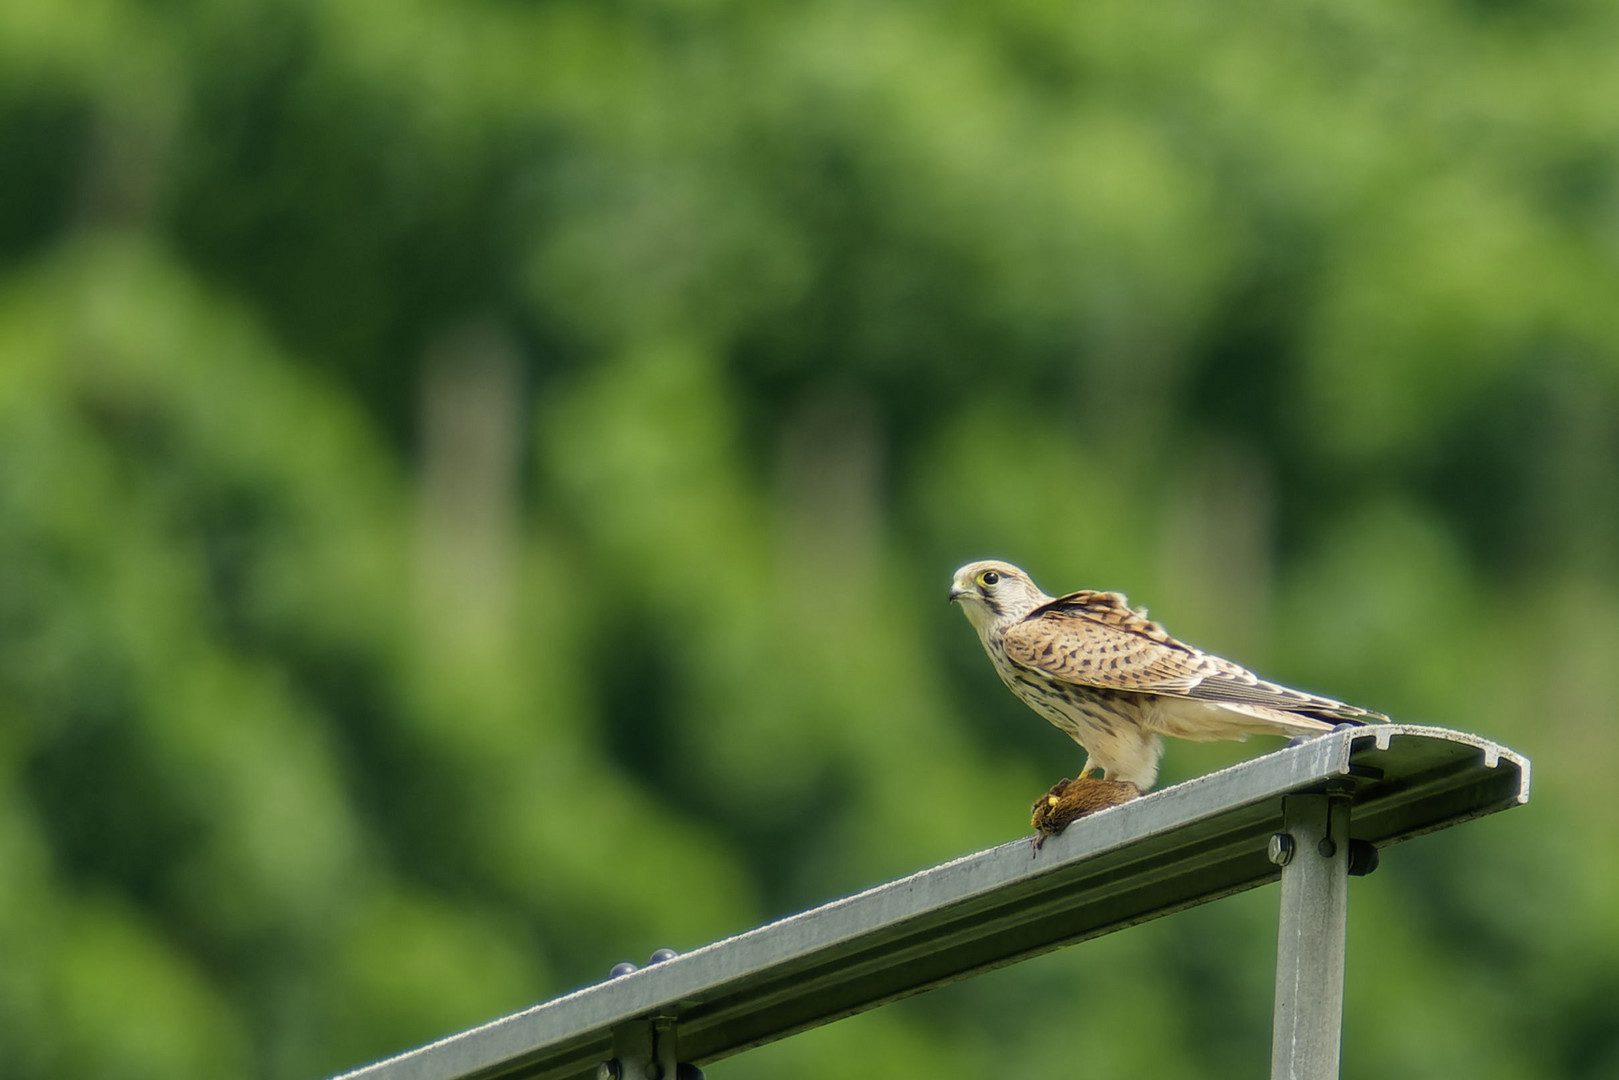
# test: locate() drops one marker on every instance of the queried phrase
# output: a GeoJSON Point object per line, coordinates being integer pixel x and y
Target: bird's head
{"type": "Point", "coordinates": [992, 593]}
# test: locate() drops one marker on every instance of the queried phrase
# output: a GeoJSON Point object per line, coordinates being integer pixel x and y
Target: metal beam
{"type": "Point", "coordinates": [1166, 851]}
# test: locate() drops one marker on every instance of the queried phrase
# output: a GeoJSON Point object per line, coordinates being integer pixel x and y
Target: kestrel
{"type": "Point", "coordinates": [1115, 682]}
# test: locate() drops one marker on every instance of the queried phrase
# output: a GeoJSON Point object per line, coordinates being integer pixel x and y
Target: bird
{"type": "Point", "coordinates": [1115, 682]}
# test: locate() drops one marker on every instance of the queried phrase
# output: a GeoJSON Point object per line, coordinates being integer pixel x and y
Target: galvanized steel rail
{"type": "Point", "coordinates": [1303, 814]}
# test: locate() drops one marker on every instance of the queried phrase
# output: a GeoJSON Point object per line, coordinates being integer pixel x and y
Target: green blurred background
{"type": "Point", "coordinates": [478, 484]}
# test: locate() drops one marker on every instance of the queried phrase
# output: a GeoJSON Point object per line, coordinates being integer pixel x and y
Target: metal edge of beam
{"type": "Point", "coordinates": [1171, 849]}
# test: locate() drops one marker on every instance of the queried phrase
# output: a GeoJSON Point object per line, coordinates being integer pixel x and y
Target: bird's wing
{"type": "Point", "coordinates": [1097, 639]}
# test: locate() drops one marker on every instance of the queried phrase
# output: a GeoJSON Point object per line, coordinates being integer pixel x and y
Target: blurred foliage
{"type": "Point", "coordinates": [478, 481]}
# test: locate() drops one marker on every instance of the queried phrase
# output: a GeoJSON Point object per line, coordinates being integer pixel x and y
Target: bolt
{"type": "Point", "coordinates": [609, 1070]}
{"type": "Point", "coordinates": [1327, 848]}
{"type": "Point", "coordinates": [626, 968]}
{"type": "Point", "coordinates": [1363, 858]}
{"type": "Point", "coordinates": [1280, 851]}
{"type": "Point", "coordinates": [661, 955]}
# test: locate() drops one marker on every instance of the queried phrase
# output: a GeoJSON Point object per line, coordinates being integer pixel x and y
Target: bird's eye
{"type": "Point", "coordinates": [989, 579]}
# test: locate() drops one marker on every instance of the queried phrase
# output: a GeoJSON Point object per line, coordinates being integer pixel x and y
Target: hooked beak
{"type": "Point", "coordinates": [957, 592]}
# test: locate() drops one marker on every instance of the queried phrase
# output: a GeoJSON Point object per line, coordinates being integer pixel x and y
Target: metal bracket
{"type": "Point", "coordinates": [647, 1050]}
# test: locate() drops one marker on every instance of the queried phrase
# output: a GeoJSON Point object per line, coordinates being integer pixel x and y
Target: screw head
{"type": "Point", "coordinates": [1281, 847]}
{"type": "Point", "coordinates": [626, 968]}
{"type": "Point", "coordinates": [661, 955]}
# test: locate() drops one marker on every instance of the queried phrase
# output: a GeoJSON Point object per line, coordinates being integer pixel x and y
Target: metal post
{"type": "Point", "coordinates": [1313, 851]}
{"type": "Point", "coordinates": [635, 1054]}
{"type": "Point", "coordinates": [647, 1050]}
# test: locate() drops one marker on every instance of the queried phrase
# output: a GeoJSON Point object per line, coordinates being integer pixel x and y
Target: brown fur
{"type": "Point", "coordinates": [1071, 799]}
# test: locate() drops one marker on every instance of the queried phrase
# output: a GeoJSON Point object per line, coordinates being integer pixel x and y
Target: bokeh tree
{"type": "Point", "coordinates": [478, 481]}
